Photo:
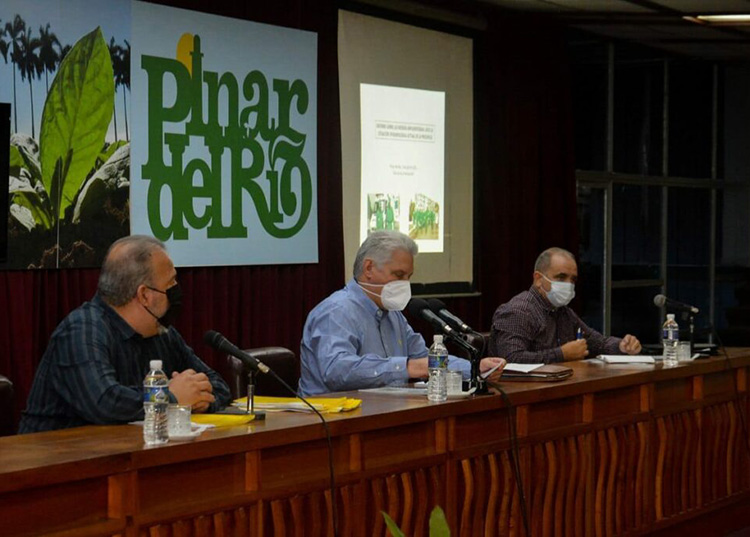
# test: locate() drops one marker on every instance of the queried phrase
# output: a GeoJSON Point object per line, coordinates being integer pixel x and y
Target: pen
{"type": "Point", "coordinates": [579, 333]}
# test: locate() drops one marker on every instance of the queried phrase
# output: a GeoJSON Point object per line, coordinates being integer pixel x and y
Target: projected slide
{"type": "Point", "coordinates": [407, 143]}
{"type": "Point", "coordinates": [403, 163]}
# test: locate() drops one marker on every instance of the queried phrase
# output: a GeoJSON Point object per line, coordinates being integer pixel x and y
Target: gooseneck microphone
{"type": "Point", "coordinates": [216, 341]}
{"type": "Point", "coordinates": [439, 308]}
{"type": "Point", "coordinates": [419, 308]}
{"type": "Point", "coordinates": [662, 301]}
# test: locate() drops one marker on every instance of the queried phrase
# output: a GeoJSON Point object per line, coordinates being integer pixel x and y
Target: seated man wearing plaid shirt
{"type": "Point", "coordinates": [536, 326]}
{"type": "Point", "coordinates": [92, 372]}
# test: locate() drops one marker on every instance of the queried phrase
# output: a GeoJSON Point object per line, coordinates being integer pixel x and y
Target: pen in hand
{"type": "Point", "coordinates": [579, 333]}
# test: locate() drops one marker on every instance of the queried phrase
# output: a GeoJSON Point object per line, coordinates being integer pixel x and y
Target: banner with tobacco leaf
{"type": "Point", "coordinates": [66, 75]}
{"type": "Point", "coordinates": [212, 149]}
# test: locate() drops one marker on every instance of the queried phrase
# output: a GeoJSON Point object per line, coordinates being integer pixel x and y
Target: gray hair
{"type": "Point", "coordinates": [126, 266]}
{"type": "Point", "coordinates": [379, 246]}
{"type": "Point", "coordinates": [544, 260]}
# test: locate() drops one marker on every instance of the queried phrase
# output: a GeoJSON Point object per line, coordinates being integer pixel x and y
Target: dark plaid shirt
{"type": "Point", "coordinates": [93, 371]}
{"type": "Point", "coordinates": [529, 330]}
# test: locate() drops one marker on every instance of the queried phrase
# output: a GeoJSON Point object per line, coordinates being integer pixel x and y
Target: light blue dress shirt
{"type": "Point", "coordinates": [348, 343]}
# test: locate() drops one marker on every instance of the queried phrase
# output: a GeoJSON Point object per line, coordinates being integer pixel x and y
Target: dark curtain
{"type": "Point", "coordinates": [33, 302]}
{"type": "Point", "coordinates": [525, 186]}
{"type": "Point", "coordinates": [525, 191]}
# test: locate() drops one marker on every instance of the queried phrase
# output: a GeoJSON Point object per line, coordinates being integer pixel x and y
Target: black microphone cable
{"type": "Point", "coordinates": [331, 475]}
{"type": "Point", "coordinates": [514, 455]}
{"type": "Point", "coordinates": [216, 340]}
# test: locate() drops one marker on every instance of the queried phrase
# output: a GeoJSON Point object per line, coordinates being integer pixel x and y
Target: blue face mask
{"type": "Point", "coordinates": [561, 293]}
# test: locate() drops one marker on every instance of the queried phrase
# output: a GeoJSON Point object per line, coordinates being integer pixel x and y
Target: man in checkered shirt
{"type": "Point", "coordinates": [536, 326]}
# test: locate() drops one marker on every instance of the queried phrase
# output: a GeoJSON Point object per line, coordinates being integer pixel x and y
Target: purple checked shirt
{"type": "Point", "coordinates": [529, 330]}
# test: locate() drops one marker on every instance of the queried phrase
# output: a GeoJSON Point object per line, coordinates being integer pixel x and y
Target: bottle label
{"type": "Point", "coordinates": [435, 361]}
{"type": "Point", "coordinates": [669, 334]}
{"type": "Point", "coordinates": [155, 394]}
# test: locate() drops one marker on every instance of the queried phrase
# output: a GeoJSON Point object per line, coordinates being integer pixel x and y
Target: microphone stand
{"type": "Point", "coordinates": [476, 377]}
{"type": "Point", "coordinates": [251, 396]}
{"type": "Point", "coordinates": [691, 320]}
{"type": "Point", "coordinates": [476, 381]}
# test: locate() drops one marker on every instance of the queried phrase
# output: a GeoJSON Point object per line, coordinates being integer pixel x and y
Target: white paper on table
{"type": "Point", "coordinates": [396, 390]}
{"type": "Point", "coordinates": [522, 368]}
{"type": "Point", "coordinates": [626, 359]}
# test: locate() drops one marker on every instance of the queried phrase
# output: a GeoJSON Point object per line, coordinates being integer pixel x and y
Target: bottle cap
{"type": "Point", "coordinates": [155, 364]}
{"type": "Point", "coordinates": [437, 338]}
{"type": "Point", "coordinates": [670, 316]}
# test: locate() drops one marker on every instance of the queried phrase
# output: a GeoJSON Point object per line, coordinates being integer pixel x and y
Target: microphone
{"type": "Point", "coordinates": [661, 301]}
{"type": "Point", "coordinates": [438, 307]}
{"type": "Point", "coordinates": [216, 341]}
{"type": "Point", "coordinates": [419, 308]}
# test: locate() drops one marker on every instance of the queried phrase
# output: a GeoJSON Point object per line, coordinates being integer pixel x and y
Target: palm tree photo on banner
{"type": "Point", "coordinates": [66, 74]}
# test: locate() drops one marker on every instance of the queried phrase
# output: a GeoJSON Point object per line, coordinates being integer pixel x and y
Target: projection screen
{"type": "Point", "coordinates": [406, 97]}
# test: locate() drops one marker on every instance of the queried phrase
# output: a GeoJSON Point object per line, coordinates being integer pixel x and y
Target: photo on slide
{"type": "Point", "coordinates": [424, 218]}
{"type": "Point", "coordinates": [383, 212]}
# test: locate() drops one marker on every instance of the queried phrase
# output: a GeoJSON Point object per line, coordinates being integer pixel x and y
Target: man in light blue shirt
{"type": "Point", "coordinates": [358, 337]}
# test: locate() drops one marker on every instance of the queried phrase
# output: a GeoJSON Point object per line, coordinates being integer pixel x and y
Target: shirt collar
{"type": "Point", "coordinates": [117, 322]}
{"type": "Point", "coordinates": [541, 300]}
{"type": "Point", "coordinates": [361, 298]}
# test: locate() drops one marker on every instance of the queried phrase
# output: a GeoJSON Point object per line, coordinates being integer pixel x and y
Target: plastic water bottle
{"type": "Point", "coordinates": [437, 364]}
{"type": "Point", "coordinates": [155, 405]}
{"type": "Point", "coordinates": [670, 339]}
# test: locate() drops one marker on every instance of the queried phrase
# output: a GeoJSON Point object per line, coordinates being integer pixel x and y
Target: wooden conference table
{"type": "Point", "coordinates": [618, 449]}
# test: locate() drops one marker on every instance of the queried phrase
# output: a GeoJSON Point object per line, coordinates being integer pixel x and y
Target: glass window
{"type": "Point", "coordinates": [688, 249]}
{"type": "Point", "coordinates": [633, 312]}
{"type": "Point", "coordinates": [689, 226]}
{"type": "Point", "coordinates": [591, 255]}
{"type": "Point", "coordinates": [638, 105]}
{"type": "Point", "coordinates": [690, 119]}
{"type": "Point", "coordinates": [636, 232]}
{"type": "Point", "coordinates": [638, 134]}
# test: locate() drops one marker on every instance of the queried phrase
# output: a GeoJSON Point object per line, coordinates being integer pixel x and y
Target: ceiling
{"type": "Point", "coordinates": [654, 23]}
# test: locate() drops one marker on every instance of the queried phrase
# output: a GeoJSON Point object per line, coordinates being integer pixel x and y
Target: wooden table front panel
{"type": "Point", "coordinates": [612, 451]}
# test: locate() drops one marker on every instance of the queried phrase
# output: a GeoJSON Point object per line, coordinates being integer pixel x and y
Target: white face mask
{"type": "Point", "coordinates": [395, 295]}
{"type": "Point", "coordinates": [561, 293]}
